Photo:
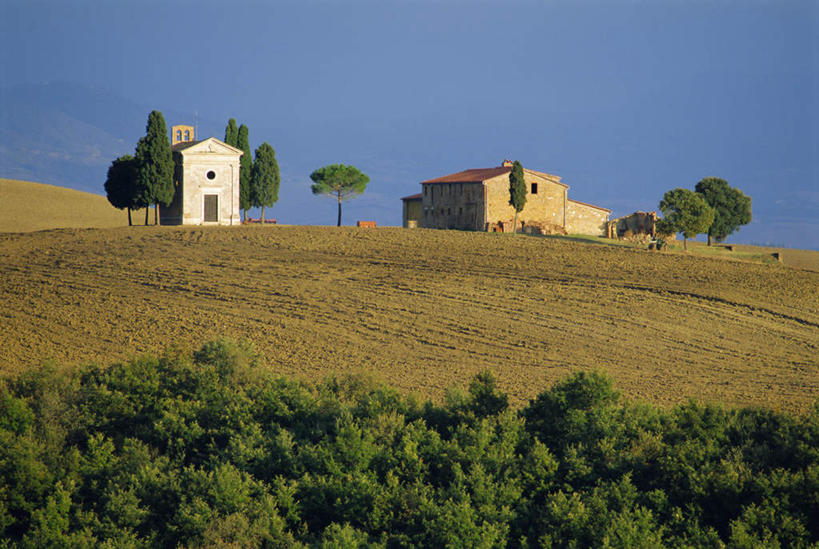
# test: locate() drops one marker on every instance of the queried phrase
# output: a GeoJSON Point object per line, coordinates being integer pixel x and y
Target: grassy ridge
{"type": "Point", "coordinates": [26, 206]}
{"type": "Point", "coordinates": [423, 310]}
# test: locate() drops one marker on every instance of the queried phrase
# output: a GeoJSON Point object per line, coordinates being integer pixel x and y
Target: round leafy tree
{"type": "Point", "coordinates": [686, 212]}
{"type": "Point", "coordinates": [120, 185]}
{"type": "Point", "coordinates": [732, 208]}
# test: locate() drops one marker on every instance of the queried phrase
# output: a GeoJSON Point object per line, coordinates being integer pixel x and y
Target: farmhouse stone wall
{"type": "Point", "coordinates": [586, 219]}
{"type": "Point", "coordinates": [544, 207]}
{"type": "Point", "coordinates": [453, 206]}
{"type": "Point", "coordinates": [478, 199]}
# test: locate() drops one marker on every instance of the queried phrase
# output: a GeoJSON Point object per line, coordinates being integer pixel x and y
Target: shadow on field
{"type": "Point", "coordinates": [589, 240]}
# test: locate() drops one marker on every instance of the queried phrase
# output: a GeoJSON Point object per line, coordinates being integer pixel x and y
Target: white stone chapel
{"type": "Point", "coordinates": [206, 178]}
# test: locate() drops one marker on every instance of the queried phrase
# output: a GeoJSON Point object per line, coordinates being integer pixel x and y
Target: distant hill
{"type": "Point", "coordinates": [26, 207]}
{"type": "Point", "coordinates": [67, 134]}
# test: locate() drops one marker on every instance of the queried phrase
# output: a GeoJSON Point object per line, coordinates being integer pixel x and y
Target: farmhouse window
{"type": "Point", "coordinates": [211, 174]}
{"type": "Point", "coordinates": [534, 188]}
{"type": "Point", "coordinates": [211, 207]}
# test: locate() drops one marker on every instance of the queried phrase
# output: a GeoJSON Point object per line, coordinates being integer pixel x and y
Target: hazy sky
{"type": "Point", "coordinates": [623, 99]}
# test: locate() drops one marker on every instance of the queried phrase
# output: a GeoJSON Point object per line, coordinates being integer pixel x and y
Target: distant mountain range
{"type": "Point", "coordinates": [65, 134]}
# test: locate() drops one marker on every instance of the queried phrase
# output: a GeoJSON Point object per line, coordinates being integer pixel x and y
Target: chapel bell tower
{"type": "Point", "coordinates": [181, 134]}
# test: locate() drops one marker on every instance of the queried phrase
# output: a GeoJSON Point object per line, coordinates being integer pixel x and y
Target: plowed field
{"type": "Point", "coordinates": [422, 310]}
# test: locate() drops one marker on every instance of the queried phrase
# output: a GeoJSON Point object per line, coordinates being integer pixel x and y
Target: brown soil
{"type": "Point", "coordinates": [423, 310]}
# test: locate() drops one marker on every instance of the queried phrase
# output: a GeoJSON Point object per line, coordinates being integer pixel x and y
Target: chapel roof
{"type": "Point", "coordinates": [184, 145]}
{"type": "Point", "coordinates": [215, 145]}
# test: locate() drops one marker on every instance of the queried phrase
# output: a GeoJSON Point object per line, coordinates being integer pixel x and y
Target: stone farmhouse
{"type": "Point", "coordinates": [478, 200]}
{"type": "Point", "coordinates": [206, 177]}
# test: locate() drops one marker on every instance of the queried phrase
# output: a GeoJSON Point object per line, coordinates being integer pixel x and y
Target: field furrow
{"type": "Point", "coordinates": [422, 310]}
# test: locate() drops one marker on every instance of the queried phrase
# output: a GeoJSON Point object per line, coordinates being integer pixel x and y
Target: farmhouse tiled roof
{"type": "Point", "coordinates": [413, 196]}
{"type": "Point", "coordinates": [470, 176]}
{"type": "Point", "coordinates": [551, 177]}
{"type": "Point", "coordinates": [480, 175]}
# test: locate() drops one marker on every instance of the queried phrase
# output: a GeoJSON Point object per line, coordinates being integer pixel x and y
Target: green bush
{"type": "Point", "coordinates": [206, 449]}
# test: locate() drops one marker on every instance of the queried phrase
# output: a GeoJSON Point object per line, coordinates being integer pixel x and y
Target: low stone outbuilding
{"type": "Point", "coordinates": [412, 209]}
{"type": "Point", "coordinates": [206, 178]}
{"type": "Point", "coordinates": [636, 224]}
{"type": "Point", "coordinates": [478, 200]}
{"type": "Point", "coordinates": [582, 218]}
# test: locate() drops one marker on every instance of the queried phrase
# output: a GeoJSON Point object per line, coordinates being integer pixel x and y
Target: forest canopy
{"type": "Point", "coordinates": [208, 449]}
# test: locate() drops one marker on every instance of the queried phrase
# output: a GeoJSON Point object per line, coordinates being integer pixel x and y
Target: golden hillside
{"type": "Point", "coordinates": [421, 309]}
{"type": "Point", "coordinates": [26, 207]}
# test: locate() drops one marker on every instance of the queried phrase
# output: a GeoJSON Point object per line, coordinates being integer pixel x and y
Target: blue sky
{"type": "Point", "coordinates": [623, 99]}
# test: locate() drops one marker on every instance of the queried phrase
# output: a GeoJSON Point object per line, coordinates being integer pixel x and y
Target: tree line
{"type": "Point", "coordinates": [713, 208]}
{"type": "Point", "coordinates": [147, 178]}
{"type": "Point", "coordinates": [212, 449]}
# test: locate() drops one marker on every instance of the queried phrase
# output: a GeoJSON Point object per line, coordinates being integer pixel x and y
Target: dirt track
{"type": "Point", "coordinates": [423, 310]}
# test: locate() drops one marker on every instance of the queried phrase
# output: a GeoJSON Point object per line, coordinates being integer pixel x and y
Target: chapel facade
{"type": "Point", "coordinates": [206, 181]}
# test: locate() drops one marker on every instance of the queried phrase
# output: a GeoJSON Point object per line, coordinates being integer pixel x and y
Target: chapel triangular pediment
{"type": "Point", "coordinates": [210, 145]}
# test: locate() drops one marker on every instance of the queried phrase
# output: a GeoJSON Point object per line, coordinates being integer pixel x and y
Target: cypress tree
{"type": "Point", "coordinates": [265, 179]}
{"type": "Point", "coordinates": [232, 133]}
{"type": "Point", "coordinates": [245, 171]}
{"type": "Point", "coordinates": [154, 162]}
{"type": "Point", "coordinates": [517, 191]}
